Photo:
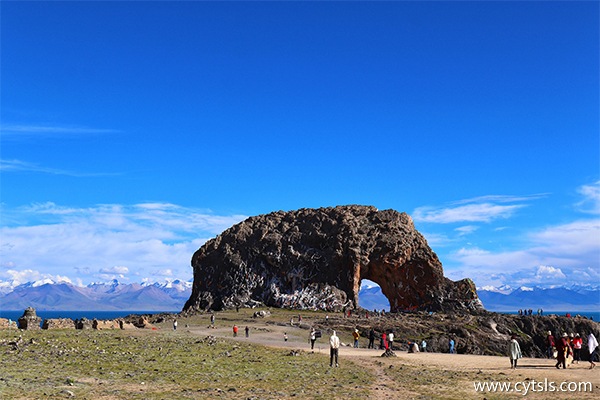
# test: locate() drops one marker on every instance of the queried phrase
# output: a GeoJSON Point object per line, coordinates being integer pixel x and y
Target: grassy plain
{"type": "Point", "coordinates": [163, 365]}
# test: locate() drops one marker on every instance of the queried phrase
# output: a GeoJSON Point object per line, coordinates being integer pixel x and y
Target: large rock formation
{"type": "Point", "coordinates": [316, 259]}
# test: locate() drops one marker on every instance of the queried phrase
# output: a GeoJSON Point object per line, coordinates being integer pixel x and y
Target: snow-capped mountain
{"type": "Point", "coordinates": [577, 298]}
{"type": "Point", "coordinates": [505, 298]}
{"type": "Point", "coordinates": [107, 296]}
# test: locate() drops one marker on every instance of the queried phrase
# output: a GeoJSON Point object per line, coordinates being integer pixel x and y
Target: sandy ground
{"type": "Point", "coordinates": [470, 367]}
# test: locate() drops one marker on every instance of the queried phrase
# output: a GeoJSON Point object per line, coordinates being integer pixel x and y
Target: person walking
{"type": "Point", "coordinates": [334, 347]}
{"type": "Point", "coordinates": [235, 330]}
{"type": "Point", "coordinates": [313, 338]}
{"type": "Point", "coordinates": [593, 349]}
{"type": "Point", "coordinates": [212, 321]}
{"type": "Point", "coordinates": [423, 346]}
{"type": "Point", "coordinates": [562, 350]}
{"type": "Point", "coordinates": [577, 344]}
{"type": "Point", "coordinates": [551, 345]}
{"type": "Point", "coordinates": [356, 336]}
{"type": "Point", "coordinates": [174, 324]}
{"type": "Point", "coordinates": [514, 351]}
{"type": "Point", "coordinates": [371, 339]}
{"type": "Point", "coordinates": [451, 346]}
{"type": "Point", "coordinates": [247, 331]}
{"type": "Point", "coordinates": [391, 340]}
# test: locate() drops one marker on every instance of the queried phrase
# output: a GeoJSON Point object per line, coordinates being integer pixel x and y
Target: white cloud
{"type": "Point", "coordinates": [117, 241]}
{"type": "Point", "coordinates": [591, 198]}
{"type": "Point", "coordinates": [115, 270]}
{"type": "Point", "coordinates": [466, 230]}
{"type": "Point", "coordinates": [546, 272]}
{"type": "Point", "coordinates": [19, 277]}
{"type": "Point", "coordinates": [557, 255]}
{"type": "Point", "coordinates": [478, 209]}
{"type": "Point", "coordinates": [484, 212]}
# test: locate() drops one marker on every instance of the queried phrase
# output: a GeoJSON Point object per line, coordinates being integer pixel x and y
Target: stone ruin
{"type": "Point", "coordinates": [30, 320]}
{"type": "Point", "coordinates": [58, 323]}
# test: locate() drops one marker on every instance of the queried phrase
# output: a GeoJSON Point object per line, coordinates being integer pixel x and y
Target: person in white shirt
{"type": "Point", "coordinates": [391, 340]}
{"type": "Point", "coordinates": [334, 346]}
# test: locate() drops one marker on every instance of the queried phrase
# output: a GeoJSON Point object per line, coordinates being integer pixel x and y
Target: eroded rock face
{"type": "Point", "coordinates": [316, 259]}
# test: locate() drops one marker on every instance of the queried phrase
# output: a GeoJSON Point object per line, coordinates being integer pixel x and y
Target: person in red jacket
{"type": "Point", "coordinates": [577, 344]}
{"type": "Point", "coordinates": [563, 350]}
{"type": "Point", "coordinates": [235, 330]}
{"type": "Point", "coordinates": [550, 345]}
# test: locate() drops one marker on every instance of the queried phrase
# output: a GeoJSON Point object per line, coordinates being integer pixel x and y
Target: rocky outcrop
{"type": "Point", "coordinates": [316, 259]}
{"type": "Point", "coordinates": [29, 320]}
{"type": "Point", "coordinates": [483, 333]}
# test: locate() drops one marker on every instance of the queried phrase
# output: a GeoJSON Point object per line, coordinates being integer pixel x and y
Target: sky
{"type": "Point", "coordinates": [133, 132]}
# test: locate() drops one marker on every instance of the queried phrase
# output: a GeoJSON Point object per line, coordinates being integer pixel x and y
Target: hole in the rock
{"type": "Point", "coordinates": [371, 297]}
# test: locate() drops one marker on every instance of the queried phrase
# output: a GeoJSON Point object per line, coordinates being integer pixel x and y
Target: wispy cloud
{"type": "Point", "coordinates": [484, 212]}
{"type": "Point", "coordinates": [591, 198]}
{"type": "Point", "coordinates": [478, 209]}
{"type": "Point", "coordinates": [112, 240]}
{"type": "Point", "coordinates": [17, 131]}
{"type": "Point", "coordinates": [23, 166]}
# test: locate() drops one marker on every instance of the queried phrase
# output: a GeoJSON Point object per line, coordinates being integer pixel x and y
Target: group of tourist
{"type": "Point", "coordinates": [566, 349]}
{"type": "Point", "coordinates": [530, 312]}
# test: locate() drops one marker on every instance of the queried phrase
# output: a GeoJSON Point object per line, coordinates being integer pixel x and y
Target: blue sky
{"type": "Point", "coordinates": [132, 132]}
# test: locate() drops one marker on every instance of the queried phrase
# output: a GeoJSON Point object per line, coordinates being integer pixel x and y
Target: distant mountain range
{"type": "Point", "coordinates": [111, 296]}
{"type": "Point", "coordinates": [171, 296]}
{"type": "Point", "coordinates": [576, 298]}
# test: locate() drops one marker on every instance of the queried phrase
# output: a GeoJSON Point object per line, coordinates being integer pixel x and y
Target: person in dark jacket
{"type": "Point", "coordinates": [563, 350]}
{"type": "Point", "coordinates": [371, 339]}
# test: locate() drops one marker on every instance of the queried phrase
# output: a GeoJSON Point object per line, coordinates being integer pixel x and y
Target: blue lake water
{"type": "Point", "coordinates": [595, 315]}
{"type": "Point", "coordinates": [15, 315]}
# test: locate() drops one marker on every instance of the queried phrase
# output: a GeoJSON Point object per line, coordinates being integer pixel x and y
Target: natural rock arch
{"type": "Point", "coordinates": [316, 259]}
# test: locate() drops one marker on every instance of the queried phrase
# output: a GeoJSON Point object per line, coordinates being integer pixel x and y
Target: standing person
{"type": "Point", "coordinates": [285, 336]}
{"type": "Point", "coordinates": [551, 345]}
{"type": "Point", "coordinates": [371, 339]}
{"type": "Point", "coordinates": [212, 320]}
{"type": "Point", "coordinates": [384, 343]}
{"type": "Point", "coordinates": [451, 346]}
{"type": "Point", "coordinates": [174, 324]}
{"type": "Point", "coordinates": [577, 344]}
{"type": "Point", "coordinates": [235, 330]}
{"type": "Point", "coordinates": [247, 331]}
{"type": "Point", "coordinates": [334, 347]}
{"type": "Point", "coordinates": [423, 346]}
{"type": "Point", "coordinates": [355, 335]}
{"type": "Point", "coordinates": [514, 351]}
{"type": "Point", "coordinates": [593, 349]}
{"type": "Point", "coordinates": [391, 340]}
{"type": "Point", "coordinates": [313, 338]}
{"type": "Point", "coordinates": [562, 349]}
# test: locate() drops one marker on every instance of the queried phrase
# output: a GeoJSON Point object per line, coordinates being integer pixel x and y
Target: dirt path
{"type": "Point", "coordinates": [468, 367]}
